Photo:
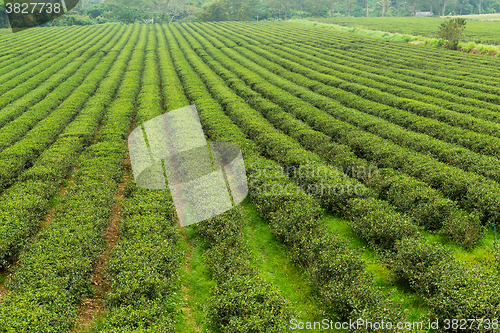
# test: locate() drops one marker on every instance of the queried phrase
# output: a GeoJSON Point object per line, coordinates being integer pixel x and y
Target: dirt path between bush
{"type": "Point", "coordinates": [3, 290]}
{"type": "Point", "coordinates": [6, 273]}
{"type": "Point", "coordinates": [186, 291]}
{"type": "Point", "coordinates": [94, 306]}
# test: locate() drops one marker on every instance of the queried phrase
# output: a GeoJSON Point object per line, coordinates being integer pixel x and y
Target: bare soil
{"type": "Point", "coordinates": [191, 321]}
{"type": "Point", "coordinates": [94, 306]}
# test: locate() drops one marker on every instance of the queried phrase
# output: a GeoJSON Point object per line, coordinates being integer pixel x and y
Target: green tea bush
{"type": "Point", "coordinates": [463, 227]}
{"type": "Point", "coordinates": [421, 264]}
{"type": "Point", "coordinates": [376, 221]}
{"type": "Point", "coordinates": [338, 154]}
{"type": "Point", "coordinates": [248, 304]}
{"type": "Point", "coordinates": [52, 275]}
{"type": "Point", "coordinates": [276, 207]}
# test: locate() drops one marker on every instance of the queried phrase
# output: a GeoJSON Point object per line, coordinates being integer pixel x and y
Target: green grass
{"type": "Point", "coordinates": [481, 254]}
{"type": "Point", "coordinates": [401, 292]}
{"type": "Point", "coordinates": [198, 285]}
{"type": "Point", "coordinates": [485, 32]}
{"type": "Point", "coordinates": [273, 261]}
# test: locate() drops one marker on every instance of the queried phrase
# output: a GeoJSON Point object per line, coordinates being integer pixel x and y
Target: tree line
{"type": "Point", "coordinates": [244, 10]}
{"type": "Point", "coordinates": [166, 11]}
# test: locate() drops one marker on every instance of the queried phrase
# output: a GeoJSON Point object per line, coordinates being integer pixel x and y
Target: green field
{"type": "Point", "coordinates": [484, 32]}
{"type": "Point", "coordinates": [481, 17]}
{"type": "Point", "coordinates": [373, 172]}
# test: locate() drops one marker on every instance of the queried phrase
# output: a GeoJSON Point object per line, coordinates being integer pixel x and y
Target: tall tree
{"type": "Point", "coordinates": [169, 8]}
{"type": "Point", "coordinates": [286, 6]}
{"type": "Point", "coordinates": [385, 6]}
{"type": "Point", "coordinates": [129, 11]}
{"type": "Point", "coordinates": [300, 5]}
{"type": "Point", "coordinates": [215, 11]}
{"type": "Point", "coordinates": [317, 6]}
{"type": "Point", "coordinates": [274, 6]}
{"type": "Point", "coordinates": [332, 7]}
{"type": "Point", "coordinates": [461, 4]}
{"type": "Point", "coordinates": [452, 31]}
{"type": "Point", "coordinates": [4, 19]}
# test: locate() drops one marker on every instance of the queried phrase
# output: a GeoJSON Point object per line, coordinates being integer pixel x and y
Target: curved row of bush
{"type": "Point", "coordinates": [299, 158]}
{"type": "Point", "coordinates": [414, 56]}
{"type": "Point", "coordinates": [26, 203]}
{"type": "Point", "coordinates": [293, 216]}
{"type": "Point", "coordinates": [426, 205]}
{"type": "Point", "coordinates": [415, 88]}
{"type": "Point", "coordinates": [19, 53]}
{"type": "Point", "coordinates": [316, 52]}
{"type": "Point", "coordinates": [33, 92]}
{"type": "Point", "coordinates": [341, 45]}
{"type": "Point", "coordinates": [407, 91]}
{"type": "Point", "coordinates": [241, 301]}
{"type": "Point", "coordinates": [143, 268]}
{"type": "Point", "coordinates": [450, 287]}
{"type": "Point", "coordinates": [35, 61]}
{"type": "Point", "coordinates": [21, 64]}
{"type": "Point", "coordinates": [243, 56]}
{"type": "Point", "coordinates": [71, 77]}
{"type": "Point", "coordinates": [392, 55]}
{"type": "Point", "coordinates": [479, 84]}
{"type": "Point", "coordinates": [471, 191]}
{"type": "Point", "coordinates": [364, 99]}
{"type": "Point", "coordinates": [17, 87]}
{"type": "Point", "coordinates": [422, 104]}
{"type": "Point", "coordinates": [21, 155]}
{"type": "Point", "coordinates": [34, 39]}
{"type": "Point", "coordinates": [5, 59]}
{"type": "Point", "coordinates": [445, 152]}
{"type": "Point", "coordinates": [144, 298]}
{"type": "Point", "coordinates": [53, 274]}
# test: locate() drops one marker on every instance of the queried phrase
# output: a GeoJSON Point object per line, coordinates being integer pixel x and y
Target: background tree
{"type": "Point", "coordinates": [286, 6]}
{"type": "Point", "coordinates": [129, 11]}
{"type": "Point", "coordinates": [447, 4]}
{"type": "Point", "coordinates": [97, 10]}
{"type": "Point", "coordinates": [215, 11]}
{"type": "Point", "coordinates": [332, 4]}
{"type": "Point", "coordinates": [173, 8]}
{"type": "Point", "coordinates": [275, 6]}
{"type": "Point", "coordinates": [349, 4]}
{"type": "Point", "coordinates": [384, 4]}
{"type": "Point", "coordinates": [461, 5]}
{"type": "Point", "coordinates": [300, 5]}
{"type": "Point", "coordinates": [4, 19]}
{"type": "Point", "coordinates": [364, 4]}
{"type": "Point", "coordinates": [452, 31]}
{"type": "Point", "coordinates": [317, 7]}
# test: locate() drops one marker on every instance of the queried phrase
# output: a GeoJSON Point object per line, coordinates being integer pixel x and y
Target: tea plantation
{"type": "Point", "coordinates": [373, 172]}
